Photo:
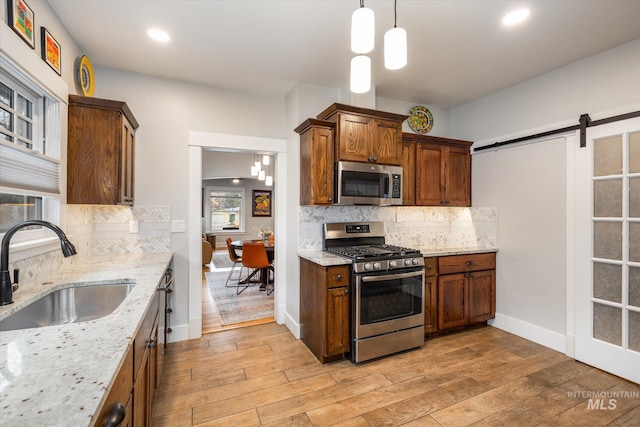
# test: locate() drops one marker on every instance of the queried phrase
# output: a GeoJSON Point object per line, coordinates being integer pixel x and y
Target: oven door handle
{"type": "Point", "coordinates": [392, 276]}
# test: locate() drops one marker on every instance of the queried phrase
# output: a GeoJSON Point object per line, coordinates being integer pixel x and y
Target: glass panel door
{"type": "Point", "coordinates": [608, 257]}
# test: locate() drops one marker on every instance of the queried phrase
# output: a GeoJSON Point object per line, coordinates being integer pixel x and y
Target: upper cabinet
{"type": "Point", "coordinates": [442, 171]}
{"type": "Point", "coordinates": [316, 162]}
{"type": "Point", "coordinates": [364, 135]}
{"type": "Point", "coordinates": [100, 154]}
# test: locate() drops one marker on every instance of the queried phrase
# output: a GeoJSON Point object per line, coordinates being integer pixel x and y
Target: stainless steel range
{"type": "Point", "coordinates": [387, 289]}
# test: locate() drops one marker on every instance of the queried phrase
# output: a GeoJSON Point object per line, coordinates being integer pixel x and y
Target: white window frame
{"type": "Point", "coordinates": [243, 210]}
{"type": "Point", "coordinates": [28, 243]}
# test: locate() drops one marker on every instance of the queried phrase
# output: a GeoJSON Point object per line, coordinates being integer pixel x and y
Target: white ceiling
{"type": "Point", "coordinates": [458, 50]}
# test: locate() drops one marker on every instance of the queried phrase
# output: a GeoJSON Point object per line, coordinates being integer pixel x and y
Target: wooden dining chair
{"type": "Point", "coordinates": [236, 259]}
{"type": "Point", "coordinates": [254, 256]}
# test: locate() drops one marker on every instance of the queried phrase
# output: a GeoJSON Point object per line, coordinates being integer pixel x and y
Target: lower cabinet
{"type": "Point", "coordinates": [324, 309]}
{"type": "Point", "coordinates": [430, 294]}
{"type": "Point", "coordinates": [466, 289]}
{"type": "Point", "coordinates": [145, 356]}
{"type": "Point", "coordinates": [118, 406]}
{"type": "Point", "coordinates": [132, 396]}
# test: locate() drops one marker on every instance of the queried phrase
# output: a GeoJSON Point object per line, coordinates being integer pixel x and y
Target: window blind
{"type": "Point", "coordinates": [28, 170]}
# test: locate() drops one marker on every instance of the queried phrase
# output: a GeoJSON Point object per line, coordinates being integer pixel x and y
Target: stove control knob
{"type": "Point", "coordinates": [392, 264]}
{"type": "Point", "coordinates": [376, 266]}
{"type": "Point", "coordinates": [368, 266]}
{"type": "Point", "coordinates": [414, 261]}
{"type": "Point", "coordinates": [407, 262]}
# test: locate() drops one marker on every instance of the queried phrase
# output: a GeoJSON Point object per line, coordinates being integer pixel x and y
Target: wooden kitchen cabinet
{"type": "Point", "coordinates": [100, 152]}
{"type": "Point", "coordinates": [408, 171]}
{"type": "Point", "coordinates": [120, 395]}
{"type": "Point", "coordinates": [364, 135]}
{"type": "Point", "coordinates": [316, 162]}
{"type": "Point", "coordinates": [145, 357]}
{"type": "Point", "coordinates": [430, 294]}
{"type": "Point", "coordinates": [443, 171]}
{"type": "Point", "coordinates": [137, 382]}
{"type": "Point", "coordinates": [466, 289]}
{"type": "Point", "coordinates": [324, 309]}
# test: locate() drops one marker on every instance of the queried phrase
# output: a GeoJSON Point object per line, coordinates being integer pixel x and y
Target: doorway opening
{"type": "Point", "coordinates": [232, 185]}
{"type": "Point", "coordinates": [199, 143]}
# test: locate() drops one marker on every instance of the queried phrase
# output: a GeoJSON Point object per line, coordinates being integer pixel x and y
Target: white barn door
{"type": "Point", "coordinates": [608, 249]}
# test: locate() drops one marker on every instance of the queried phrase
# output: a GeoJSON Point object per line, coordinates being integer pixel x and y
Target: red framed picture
{"type": "Point", "coordinates": [50, 50]}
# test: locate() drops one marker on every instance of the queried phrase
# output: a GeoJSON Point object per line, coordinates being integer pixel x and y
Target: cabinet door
{"type": "Point", "coordinates": [354, 134]}
{"type": "Point", "coordinates": [127, 164]}
{"type": "Point", "coordinates": [337, 321]}
{"type": "Point", "coordinates": [430, 304]}
{"type": "Point", "coordinates": [141, 393]}
{"type": "Point", "coordinates": [482, 297]}
{"type": "Point", "coordinates": [322, 166]}
{"type": "Point", "coordinates": [429, 175]}
{"type": "Point", "coordinates": [408, 173]}
{"type": "Point", "coordinates": [457, 176]}
{"type": "Point", "coordinates": [452, 299]}
{"type": "Point", "coordinates": [386, 146]}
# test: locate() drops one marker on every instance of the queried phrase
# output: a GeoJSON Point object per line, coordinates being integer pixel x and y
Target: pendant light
{"type": "Point", "coordinates": [265, 159]}
{"type": "Point", "coordinates": [395, 44]}
{"type": "Point", "coordinates": [269, 179]}
{"type": "Point", "coordinates": [362, 29]}
{"type": "Point", "coordinates": [360, 81]}
{"type": "Point", "coordinates": [261, 175]}
{"type": "Point", "coordinates": [254, 169]}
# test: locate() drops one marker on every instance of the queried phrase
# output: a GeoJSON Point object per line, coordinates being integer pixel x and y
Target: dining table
{"type": "Point", "coordinates": [269, 246]}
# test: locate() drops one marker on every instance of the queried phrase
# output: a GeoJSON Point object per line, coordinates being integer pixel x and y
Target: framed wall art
{"type": "Point", "coordinates": [261, 202]}
{"type": "Point", "coordinates": [50, 50]}
{"type": "Point", "coordinates": [21, 19]}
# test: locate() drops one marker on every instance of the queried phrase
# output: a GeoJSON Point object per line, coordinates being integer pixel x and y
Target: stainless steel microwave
{"type": "Point", "coordinates": [368, 184]}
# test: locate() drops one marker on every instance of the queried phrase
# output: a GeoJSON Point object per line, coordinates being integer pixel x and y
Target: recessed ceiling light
{"type": "Point", "coordinates": [516, 17]}
{"type": "Point", "coordinates": [158, 35]}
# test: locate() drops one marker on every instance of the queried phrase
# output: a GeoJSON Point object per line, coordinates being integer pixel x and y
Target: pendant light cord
{"type": "Point", "coordinates": [395, 13]}
{"type": "Point", "coordinates": [361, 3]}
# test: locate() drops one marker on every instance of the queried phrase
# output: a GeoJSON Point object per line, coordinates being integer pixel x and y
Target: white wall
{"type": "Point", "coordinates": [167, 110]}
{"type": "Point", "coordinates": [530, 199]}
{"type": "Point", "coordinates": [528, 183]}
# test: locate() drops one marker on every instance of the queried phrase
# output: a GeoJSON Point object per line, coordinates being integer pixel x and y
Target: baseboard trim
{"type": "Point", "coordinates": [531, 332]}
{"type": "Point", "coordinates": [178, 333]}
{"type": "Point", "coordinates": [291, 324]}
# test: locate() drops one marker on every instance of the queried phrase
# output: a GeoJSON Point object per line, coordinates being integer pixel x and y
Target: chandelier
{"type": "Point", "coordinates": [256, 169]}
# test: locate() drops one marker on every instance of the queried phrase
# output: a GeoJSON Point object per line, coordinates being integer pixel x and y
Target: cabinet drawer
{"type": "Point", "coordinates": [338, 276]}
{"type": "Point", "coordinates": [430, 266]}
{"type": "Point", "coordinates": [121, 388]}
{"type": "Point", "coordinates": [465, 263]}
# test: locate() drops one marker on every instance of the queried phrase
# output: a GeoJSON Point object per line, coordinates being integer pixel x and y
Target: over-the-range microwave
{"type": "Point", "coordinates": [367, 184]}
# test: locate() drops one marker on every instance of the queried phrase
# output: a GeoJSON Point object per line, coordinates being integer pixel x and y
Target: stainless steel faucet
{"type": "Point", "coordinates": [6, 287]}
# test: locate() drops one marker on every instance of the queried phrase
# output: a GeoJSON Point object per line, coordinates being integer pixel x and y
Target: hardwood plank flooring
{"type": "Point", "coordinates": [210, 314]}
{"type": "Point", "coordinates": [261, 375]}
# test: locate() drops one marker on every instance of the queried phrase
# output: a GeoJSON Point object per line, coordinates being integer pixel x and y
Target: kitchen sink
{"type": "Point", "coordinates": [69, 305]}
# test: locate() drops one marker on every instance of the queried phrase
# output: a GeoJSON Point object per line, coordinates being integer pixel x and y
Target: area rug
{"type": "Point", "coordinates": [252, 304]}
{"type": "Point", "coordinates": [222, 261]}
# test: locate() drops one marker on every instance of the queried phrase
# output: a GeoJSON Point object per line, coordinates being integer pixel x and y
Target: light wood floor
{"type": "Point", "coordinates": [262, 375]}
{"type": "Point", "coordinates": [210, 314]}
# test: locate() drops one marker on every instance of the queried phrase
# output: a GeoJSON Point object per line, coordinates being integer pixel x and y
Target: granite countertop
{"type": "Point", "coordinates": [326, 259]}
{"type": "Point", "coordinates": [59, 375]}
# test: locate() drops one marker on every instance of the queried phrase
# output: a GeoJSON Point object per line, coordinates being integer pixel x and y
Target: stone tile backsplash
{"type": "Point", "coordinates": [435, 227]}
{"type": "Point", "coordinates": [104, 230]}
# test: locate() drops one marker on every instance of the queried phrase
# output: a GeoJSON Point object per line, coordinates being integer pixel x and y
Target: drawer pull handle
{"type": "Point", "coordinates": [116, 415]}
{"type": "Point", "coordinates": [152, 344]}
{"type": "Point", "coordinates": [339, 277]}
{"type": "Point", "coordinates": [469, 263]}
{"type": "Point", "coordinates": [428, 267]}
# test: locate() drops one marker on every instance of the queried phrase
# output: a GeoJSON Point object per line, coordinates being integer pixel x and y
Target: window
{"type": "Point", "coordinates": [29, 153]}
{"type": "Point", "coordinates": [226, 208]}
